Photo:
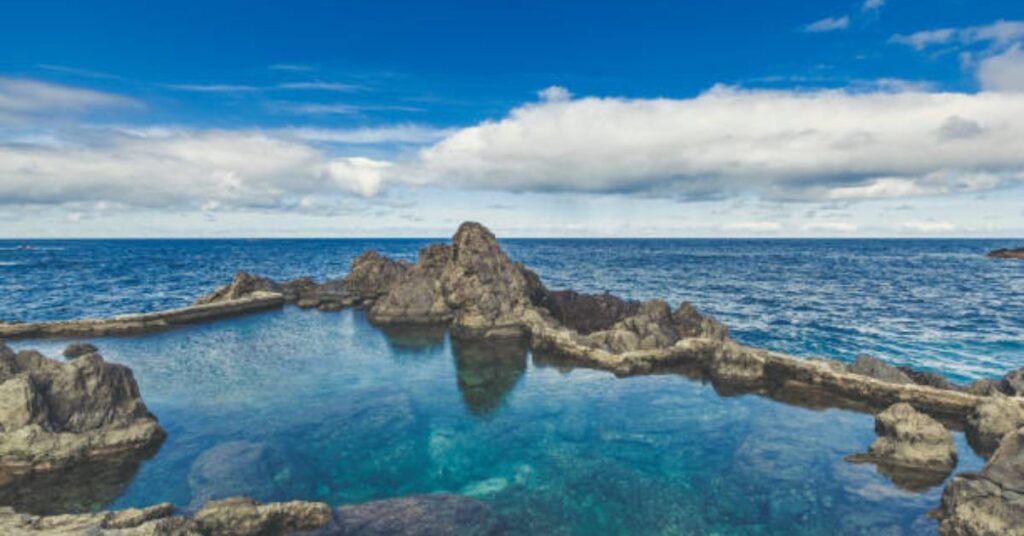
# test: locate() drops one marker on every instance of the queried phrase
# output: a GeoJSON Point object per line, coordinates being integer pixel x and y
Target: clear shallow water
{"type": "Point", "coordinates": [938, 305]}
{"type": "Point", "coordinates": [328, 407]}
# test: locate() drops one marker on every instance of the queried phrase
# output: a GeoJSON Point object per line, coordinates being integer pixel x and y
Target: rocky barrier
{"type": "Point", "coordinates": [134, 324]}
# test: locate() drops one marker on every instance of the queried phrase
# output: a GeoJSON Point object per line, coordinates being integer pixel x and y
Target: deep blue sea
{"type": "Point", "coordinates": [305, 404]}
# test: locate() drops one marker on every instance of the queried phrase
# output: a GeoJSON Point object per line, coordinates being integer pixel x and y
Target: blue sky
{"type": "Point", "coordinates": [865, 118]}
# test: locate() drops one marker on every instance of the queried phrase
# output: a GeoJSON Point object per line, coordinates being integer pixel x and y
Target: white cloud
{"type": "Point", "coordinates": [832, 227]}
{"type": "Point", "coordinates": [780, 145]}
{"type": "Point", "coordinates": [999, 33]}
{"type": "Point", "coordinates": [167, 168]}
{"type": "Point", "coordinates": [404, 133]}
{"type": "Point", "coordinates": [870, 5]}
{"type": "Point", "coordinates": [319, 86]}
{"type": "Point", "coordinates": [554, 94]}
{"type": "Point", "coordinates": [1003, 72]}
{"type": "Point", "coordinates": [212, 88]}
{"type": "Point", "coordinates": [21, 96]}
{"type": "Point", "coordinates": [364, 175]}
{"type": "Point", "coordinates": [828, 24]}
{"type": "Point", "coordinates": [754, 226]}
{"type": "Point", "coordinates": [929, 226]}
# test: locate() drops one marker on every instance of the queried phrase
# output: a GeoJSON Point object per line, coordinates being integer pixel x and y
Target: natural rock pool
{"type": "Point", "coordinates": [296, 404]}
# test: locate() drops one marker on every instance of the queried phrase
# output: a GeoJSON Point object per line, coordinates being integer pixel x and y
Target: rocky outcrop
{"type": "Point", "coordinates": [587, 313]}
{"type": "Point", "coordinates": [230, 517]}
{"type": "Point", "coordinates": [424, 515]}
{"type": "Point", "coordinates": [1013, 383]}
{"type": "Point", "coordinates": [989, 503]}
{"type": "Point", "coordinates": [471, 284]}
{"type": "Point", "coordinates": [79, 349]}
{"type": "Point", "coordinates": [54, 414]}
{"type": "Point", "coordinates": [303, 292]}
{"type": "Point", "coordinates": [372, 275]}
{"type": "Point", "coordinates": [1005, 253]}
{"type": "Point", "coordinates": [990, 419]}
{"type": "Point", "coordinates": [910, 442]}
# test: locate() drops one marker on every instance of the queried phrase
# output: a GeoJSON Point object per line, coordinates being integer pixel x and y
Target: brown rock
{"type": "Point", "coordinates": [53, 414]}
{"type": "Point", "coordinates": [79, 349]}
{"type": "Point", "coordinates": [372, 275]}
{"type": "Point", "coordinates": [990, 503]}
{"type": "Point", "coordinates": [909, 438]}
{"type": "Point", "coordinates": [866, 365]}
{"type": "Point", "coordinates": [1016, 253]}
{"type": "Point", "coordinates": [992, 418]}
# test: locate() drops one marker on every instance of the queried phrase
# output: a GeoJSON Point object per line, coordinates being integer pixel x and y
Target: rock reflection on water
{"type": "Point", "coordinates": [78, 489]}
{"type": "Point", "coordinates": [487, 371]}
{"type": "Point", "coordinates": [307, 405]}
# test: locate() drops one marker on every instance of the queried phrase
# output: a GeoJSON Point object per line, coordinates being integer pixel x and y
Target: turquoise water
{"type": "Point", "coordinates": [303, 404]}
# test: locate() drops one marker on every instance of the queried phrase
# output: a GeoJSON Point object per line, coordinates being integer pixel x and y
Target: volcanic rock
{"type": "Point", "coordinates": [1013, 383]}
{"type": "Point", "coordinates": [991, 502]}
{"type": "Point", "coordinates": [53, 414]}
{"type": "Point", "coordinates": [79, 349]}
{"type": "Point", "coordinates": [866, 365]}
{"type": "Point", "coordinates": [910, 439]}
{"type": "Point", "coordinates": [373, 274]}
{"type": "Point", "coordinates": [1015, 253]}
{"type": "Point", "coordinates": [992, 418]}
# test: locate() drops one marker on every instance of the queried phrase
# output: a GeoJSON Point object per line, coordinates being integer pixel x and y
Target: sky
{"type": "Point", "coordinates": [865, 118]}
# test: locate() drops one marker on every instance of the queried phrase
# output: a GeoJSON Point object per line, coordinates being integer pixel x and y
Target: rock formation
{"type": "Point", "coordinates": [1005, 253]}
{"type": "Point", "coordinates": [79, 349]}
{"type": "Point", "coordinates": [991, 502]}
{"type": "Point", "coordinates": [866, 365]}
{"type": "Point", "coordinates": [425, 515]}
{"type": "Point", "coordinates": [230, 517]}
{"type": "Point", "coordinates": [992, 418]}
{"type": "Point", "coordinates": [913, 449]}
{"type": "Point", "coordinates": [54, 414]}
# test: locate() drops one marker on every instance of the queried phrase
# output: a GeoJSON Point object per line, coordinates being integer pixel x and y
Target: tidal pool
{"type": "Point", "coordinates": [294, 404]}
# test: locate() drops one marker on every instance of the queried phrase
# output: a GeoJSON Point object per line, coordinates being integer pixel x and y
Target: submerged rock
{"type": "Point", "coordinates": [1006, 253]}
{"type": "Point", "coordinates": [910, 440]}
{"type": "Point", "coordinates": [424, 515]}
{"type": "Point", "coordinates": [866, 365]}
{"type": "Point", "coordinates": [989, 503]}
{"type": "Point", "coordinates": [237, 468]}
{"type": "Point", "coordinates": [54, 414]}
{"type": "Point", "coordinates": [991, 419]}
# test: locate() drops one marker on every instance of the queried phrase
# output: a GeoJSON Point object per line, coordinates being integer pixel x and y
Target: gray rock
{"type": "Point", "coordinates": [1006, 253]}
{"type": "Point", "coordinates": [587, 313]}
{"type": "Point", "coordinates": [79, 349]}
{"type": "Point", "coordinates": [372, 275]}
{"type": "Point", "coordinates": [992, 418]}
{"type": "Point", "coordinates": [236, 516]}
{"type": "Point", "coordinates": [910, 440]}
{"type": "Point", "coordinates": [866, 365]}
{"type": "Point", "coordinates": [984, 387]}
{"type": "Point", "coordinates": [1013, 383]}
{"type": "Point", "coordinates": [425, 515]}
{"type": "Point", "coordinates": [53, 414]}
{"type": "Point", "coordinates": [989, 503]}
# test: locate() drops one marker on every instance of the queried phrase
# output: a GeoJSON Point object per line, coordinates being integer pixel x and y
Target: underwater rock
{"type": "Point", "coordinates": [55, 414]}
{"type": "Point", "coordinates": [237, 468]}
{"type": "Point", "coordinates": [79, 349]}
{"type": "Point", "coordinates": [1006, 253]}
{"type": "Point", "coordinates": [423, 515]}
{"type": "Point", "coordinates": [910, 440]}
{"type": "Point", "coordinates": [991, 419]}
{"type": "Point", "coordinates": [237, 516]}
{"type": "Point", "coordinates": [991, 502]}
{"type": "Point", "coordinates": [866, 365]}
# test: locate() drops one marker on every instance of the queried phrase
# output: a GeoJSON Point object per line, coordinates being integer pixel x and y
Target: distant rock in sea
{"type": "Point", "coordinates": [1007, 253]}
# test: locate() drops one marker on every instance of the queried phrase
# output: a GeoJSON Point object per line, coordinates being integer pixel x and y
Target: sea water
{"type": "Point", "coordinates": [294, 404]}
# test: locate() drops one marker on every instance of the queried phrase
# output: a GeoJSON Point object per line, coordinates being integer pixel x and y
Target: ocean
{"type": "Point", "coordinates": [296, 404]}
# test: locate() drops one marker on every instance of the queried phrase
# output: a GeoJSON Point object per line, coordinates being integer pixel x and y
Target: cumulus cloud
{"type": "Point", "coordinates": [1003, 72]}
{"type": "Point", "coordinates": [779, 145]}
{"type": "Point", "coordinates": [169, 168]}
{"type": "Point", "coordinates": [828, 24]}
{"type": "Point", "coordinates": [403, 133]}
